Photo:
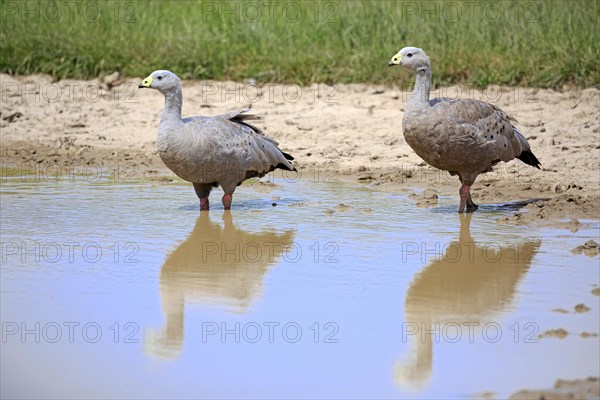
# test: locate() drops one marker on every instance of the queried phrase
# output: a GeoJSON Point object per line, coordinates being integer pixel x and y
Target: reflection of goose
{"type": "Point", "coordinates": [216, 265]}
{"type": "Point", "coordinates": [468, 284]}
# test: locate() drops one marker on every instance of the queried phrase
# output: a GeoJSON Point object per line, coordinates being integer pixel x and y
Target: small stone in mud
{"type": "Point", "coordinates": [581, 308]}
{"type": "Point", "coordinates": [366, 210]}
{"type": "Point", "coordinates": [329, 212]}
{"type": "Point", "coordinates": [560, 310]}
{"type": "Point", "coordinates": [558, 188]}
{"type": "Point", "coordinates": [426, 198]}
{"type": "Point", "coordinates": [516, 219]}
{"type": "Point", "coordinates": [591, 244]}
{"type": "Point", "coordinates": [343, 207]}
{"type": "Point", "coordinates": [586, 335]}
{"type": "Point", "coordinates": [558, 333]}
{"type": "Point", "coordinates": [573, 225]}
{"type": "Point", "coordinates": [429, 194]}
{"type": "Point", "coordinates": [596, 291]}
{"type": "Point", "coordinates": [11, 117]}
{"type": "Point", "coordinates": [274, 204]}
{"type": "Point", "coordinates": [590, 248]}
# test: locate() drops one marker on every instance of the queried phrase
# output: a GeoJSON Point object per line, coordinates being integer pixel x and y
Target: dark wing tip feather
{"type": "Point", "coordinates": [285, 167]}
{"type": "Point", "coordinates": [529, 158]}
{"type": "Point", "coordinates": [246, 117]}
{"type": "Point", "coordinates": [287, 157]}
{"type": "Point", "coordinates": [242, 118]}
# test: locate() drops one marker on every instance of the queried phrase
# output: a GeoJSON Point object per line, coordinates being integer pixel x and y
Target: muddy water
{"type": "Point", "coordinates": [116, 290]}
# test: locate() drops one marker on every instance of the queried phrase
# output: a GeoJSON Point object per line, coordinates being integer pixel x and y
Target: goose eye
{"type": "Point", "coordinates": [159, 78]}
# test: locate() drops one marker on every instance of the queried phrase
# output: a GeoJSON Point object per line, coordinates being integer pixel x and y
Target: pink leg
{"type": "Point", "coordinates": [203, 203]}
{"type": "Point", "coordinates": [464, 192]}
{"type": "Point", "coordinates": [227, 201]}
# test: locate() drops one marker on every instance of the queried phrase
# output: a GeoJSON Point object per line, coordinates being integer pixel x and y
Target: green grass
{"type": "Point", "coordinates": [543, 44]}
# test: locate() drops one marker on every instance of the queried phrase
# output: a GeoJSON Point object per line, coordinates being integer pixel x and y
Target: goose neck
{"type": "Point", "coordinates": [173, 103]}
{"type": "Point", "coordinates": [420, 94]}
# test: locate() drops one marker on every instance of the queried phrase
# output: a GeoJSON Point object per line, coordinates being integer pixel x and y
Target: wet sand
{"type": "Point", "coordinates": [563, 389]}
{"type": "Point", "coordinates": [347, 132]}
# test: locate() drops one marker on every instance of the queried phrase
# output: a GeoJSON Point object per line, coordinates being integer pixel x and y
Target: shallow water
{"type": "Point", "coordinates": [125, 289]}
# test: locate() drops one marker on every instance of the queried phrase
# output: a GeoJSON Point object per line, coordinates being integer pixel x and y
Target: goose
{"type": "Point", "coordinates": [222, 150]}
{"type": "Point", "coordinates": [465, 137]}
